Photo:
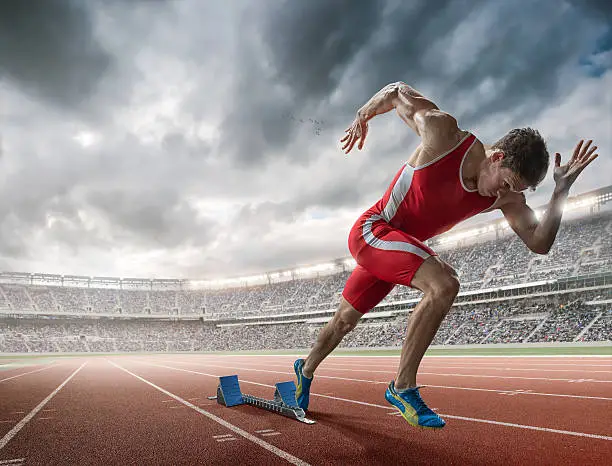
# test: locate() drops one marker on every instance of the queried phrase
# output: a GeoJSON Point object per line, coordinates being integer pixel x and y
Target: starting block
{"type": "Point", "coordinates": [284, 402]}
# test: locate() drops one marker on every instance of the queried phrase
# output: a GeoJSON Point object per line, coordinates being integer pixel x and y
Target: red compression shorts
{"type": "Point", "coordinates": [385, 257]}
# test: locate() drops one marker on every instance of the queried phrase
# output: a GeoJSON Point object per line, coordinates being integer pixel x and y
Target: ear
{"type": "Point", "coordinates": [498, 155]}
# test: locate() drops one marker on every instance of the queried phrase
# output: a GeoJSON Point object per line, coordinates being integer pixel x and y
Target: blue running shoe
{"type": "Point", "coordinates": [302, 387]}
{"type": "Point", "coordinates": [413, 408]}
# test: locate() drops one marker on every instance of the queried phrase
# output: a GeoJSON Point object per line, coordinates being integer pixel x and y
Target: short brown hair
{"type": "Point", "coordinates": [525, 153]}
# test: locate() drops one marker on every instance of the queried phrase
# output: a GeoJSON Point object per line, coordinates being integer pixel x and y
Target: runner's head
{"type": "Point", "coordinates": [517, 161]}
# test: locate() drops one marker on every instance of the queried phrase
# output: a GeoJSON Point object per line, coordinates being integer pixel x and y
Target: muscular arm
{"type": "Point", "coordinates": [538, 235]}
{"type": "Point", "coordinates": [417, 111]}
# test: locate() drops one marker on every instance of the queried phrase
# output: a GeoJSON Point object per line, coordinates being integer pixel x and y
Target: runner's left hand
{"type": "Point", "coordinates": [565, 175]}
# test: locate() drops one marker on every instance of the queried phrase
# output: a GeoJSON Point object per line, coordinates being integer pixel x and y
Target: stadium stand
{"type": "Point", "coordinates": [508, 295]}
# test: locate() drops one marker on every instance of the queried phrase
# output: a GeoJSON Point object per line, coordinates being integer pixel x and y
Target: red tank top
{"type": "Point", "coordinates": [431, 199]}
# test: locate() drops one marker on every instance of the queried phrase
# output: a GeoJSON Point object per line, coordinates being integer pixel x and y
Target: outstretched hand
{"type": "Point", "coordinates": [354, 133]}
{"type": "Point", "coordinates": [565, 175]}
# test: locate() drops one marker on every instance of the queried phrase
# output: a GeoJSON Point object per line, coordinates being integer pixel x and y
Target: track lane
{"type": "Point", "coordinates": [106, 416]}
{"type": "Point", "coordinates": [581, 385]}
{"type": "Point", "coordinates": [583, 415]}
{"type": "Point", "coordinates": [348, 424]}
{"type": "Point", "coordinates": [18, 396]}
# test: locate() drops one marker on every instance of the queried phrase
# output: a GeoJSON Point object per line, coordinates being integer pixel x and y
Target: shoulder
{"type": "Point", "coordinates": [445, 139]}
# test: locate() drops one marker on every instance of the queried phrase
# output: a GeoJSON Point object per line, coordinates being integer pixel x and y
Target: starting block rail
{"type": "Point", "coordinates": [284, 402]}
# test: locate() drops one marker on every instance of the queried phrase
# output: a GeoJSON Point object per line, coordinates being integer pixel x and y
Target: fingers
{"type": "Point", "coordinates": [586, 154]}
{"type": "Point", "coordinates": [577, 150]}
{"type": "Point", "coordinates": [557, 160]}
{"type": "Point", "coordinates": [589, 159]}
{"type": "Point", "coordinates": [355, 133]}
{"type": "Point", "coordinates": [348, 145]}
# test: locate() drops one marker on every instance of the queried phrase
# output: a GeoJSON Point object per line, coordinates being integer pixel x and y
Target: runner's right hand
{"type": "Point", "coordinates": [356, 132]}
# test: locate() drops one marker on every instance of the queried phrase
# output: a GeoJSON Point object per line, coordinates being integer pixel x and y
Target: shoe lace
{"type": "Point", "coordinates": [418, 401]}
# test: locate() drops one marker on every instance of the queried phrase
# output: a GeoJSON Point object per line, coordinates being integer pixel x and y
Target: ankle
{"type": "Point", "coordinates": [306, 373]}
{"type": "Point", "coordinates": [402, 387]}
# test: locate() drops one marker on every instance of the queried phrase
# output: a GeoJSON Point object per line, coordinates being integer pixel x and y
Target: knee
{"type": "Point", "coordinates": [445, 287]}
{"type": "Point", "coordinates": [343, 326]}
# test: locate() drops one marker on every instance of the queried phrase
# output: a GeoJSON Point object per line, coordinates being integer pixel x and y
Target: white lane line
{"type": "Point", "coordinates": [31, 372]}
{"type": "Point", "coordinates": [222, 436]}
{"type": "Point", "coordinates": [271, 448]}
{"type": "Point", "coordinates": [11, 433]}
{"type": "Point", "coordinates": [427, 356]}
{"type": "Point", "coordinates": [16, 461]}
{"type": "Point", "coordinates": [264, 431]}
{"type": "Point", "coordinates": [488, 368]}
{"type": "Point", "coordinates": [270, 434]}
{"type": "Point", "coordinates": [450, 416]}
{"type": "Point", "coordinates": [423, 372]}
{"type": "Point", "coordinates": [586, 397]}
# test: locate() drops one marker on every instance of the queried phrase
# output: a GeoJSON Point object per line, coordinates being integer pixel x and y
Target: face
{"type": "Point", "coordinates": [495, 180]}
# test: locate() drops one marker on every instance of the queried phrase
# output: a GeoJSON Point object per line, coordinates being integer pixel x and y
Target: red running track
{"type": "Point", "coordinates": [153, 410]}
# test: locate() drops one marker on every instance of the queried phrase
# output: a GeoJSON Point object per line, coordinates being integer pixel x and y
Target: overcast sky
{"type": "Point", "coordinates": [185, 139]}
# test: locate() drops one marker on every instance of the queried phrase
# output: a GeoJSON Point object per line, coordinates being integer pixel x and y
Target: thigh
{"type": "Point", "coordinates": [364, 291]}
{"type": "Point", "coordinates": [387, 253]}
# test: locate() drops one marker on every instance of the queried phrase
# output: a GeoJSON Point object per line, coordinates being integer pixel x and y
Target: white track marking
{"type": "Point", "coordinates": [586, 397]}
{"type": "Point", "coordinates": [222, 436]}
{"type": "Point", "coordinates": [423, 373]}
{"type": "Point", "coordinates": [488, 368]}
{"type": "Point", "coordinates": [270, 434]}
{"type": "Point", "coordinates": [267, 446]}
{"type": "Point", "coordinates": [470, 419]}
{"type": "Point", "coordinates": [10, 434]}
{"type": "Point", "coordinates": [31, 372]}
{"type": "Point", "coordinates": [264, 431]}
{"type": "Point", "coordinates": [343, 368]}
{"type": "Point", "coordinates": [428, 356]}
{"type": "Point", "coordinates": [16, 461]}
{"type": "Point", "coordinates": [542, 429]}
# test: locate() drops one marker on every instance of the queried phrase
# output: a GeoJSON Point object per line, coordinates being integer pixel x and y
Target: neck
{"type": "Point", "coordinates": [475, 165]}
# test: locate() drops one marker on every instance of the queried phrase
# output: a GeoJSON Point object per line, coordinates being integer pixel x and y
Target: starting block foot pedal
{"type": "Point", "coordinates": [284, 403]}
{"type": "Point", "coordinates": [285, 393]}
{"type": "Point", "coordinates": [228, 391]}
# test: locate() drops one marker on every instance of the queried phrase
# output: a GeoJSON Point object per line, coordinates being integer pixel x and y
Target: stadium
{"type": "Point", "coordinates": [508, 295]}
{"type": "Point", "coordinates": [204, 262]}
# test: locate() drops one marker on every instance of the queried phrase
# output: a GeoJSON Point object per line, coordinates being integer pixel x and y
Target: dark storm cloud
{"type": "Point", "coordinates": [260, 73]}
{"type": "Point", "coordinates": [525, 55]}
{"type": "Point", "coordinates": [600, 10]}
{"type": "Point", "coordinates": [309, 47]}
{"type": "Point", "coordinates": [311, 43]}
{"type": "Point", "coordinates": [48, 49]}
{"type": "Point", "coordinates": [306, 46]}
